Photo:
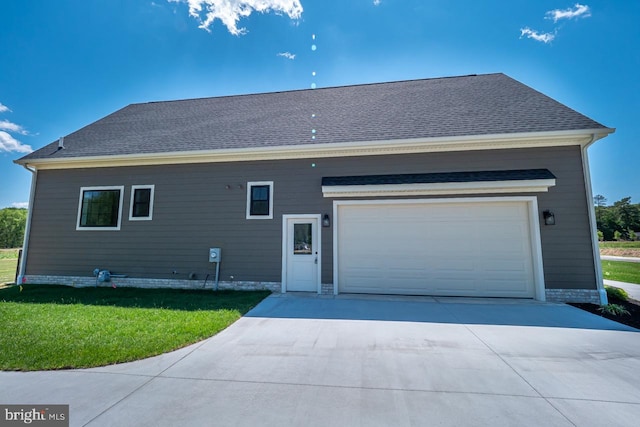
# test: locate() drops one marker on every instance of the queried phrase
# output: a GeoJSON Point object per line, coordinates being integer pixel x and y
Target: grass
{"type": "Point", "coordinates": [624, 245]}
{"type": "Point", "coordinates": [55, 327]}
{"type": "Point", "coordinates": [8, 264]}
{"type": "Point", "coordinates": [621, 271]}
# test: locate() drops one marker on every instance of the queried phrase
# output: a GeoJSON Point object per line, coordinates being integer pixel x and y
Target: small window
{"type": "Point", "coordinates": [100, 208]}
{"type": "Point", "coordinates": [141, 202]}
{"type": "Point", "coordinates": [260, 200]}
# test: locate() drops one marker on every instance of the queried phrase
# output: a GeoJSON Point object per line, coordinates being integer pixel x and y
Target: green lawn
{"type": "Point", "coordinates": [624, 245]}
{"type": "Point", "coordinates": [55, 327]}
{"type": "Point", "coordinates": [8, 264]}
{"type": "Point", "coordinates": [621, 271]}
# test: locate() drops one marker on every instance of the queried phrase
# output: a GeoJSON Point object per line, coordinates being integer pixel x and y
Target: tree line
{"type": "Point", "coordinates": [12, 224]}
{"type": "Point", "coordinates": [620, 221]}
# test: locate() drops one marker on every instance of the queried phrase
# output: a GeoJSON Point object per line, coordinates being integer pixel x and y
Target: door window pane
{"type": "Point", "coordinates": [302, 243]}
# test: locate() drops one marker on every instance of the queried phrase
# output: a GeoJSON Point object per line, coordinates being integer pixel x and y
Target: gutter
{"type": "Point", "coordinates": [592, 218]}
{"type": "Point", "coordinates": [27, 231]}
{"type": "Point", "coordinates": [582, 138]}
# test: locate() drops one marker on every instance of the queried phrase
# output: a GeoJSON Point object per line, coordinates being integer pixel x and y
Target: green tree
{"type": "Point", "coordinates": [12, 224]}
{"type": "Point", "coordinates": [599, 200]}
{"type": "Point", "coordinates": [607, 221]}
{"type": "Point", "coordinates": [628, 216]}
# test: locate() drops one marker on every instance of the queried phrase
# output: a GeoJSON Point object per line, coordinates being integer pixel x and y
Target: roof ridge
{"type": "Point", "coordinates": [318, 89]}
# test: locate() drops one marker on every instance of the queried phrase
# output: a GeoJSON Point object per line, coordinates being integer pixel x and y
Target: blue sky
{"type": "Point", "coordinates": [67, 63]}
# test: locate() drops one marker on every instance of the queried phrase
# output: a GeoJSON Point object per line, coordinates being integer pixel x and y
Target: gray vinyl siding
{"type": "Point", "coordinates": [194, 210]}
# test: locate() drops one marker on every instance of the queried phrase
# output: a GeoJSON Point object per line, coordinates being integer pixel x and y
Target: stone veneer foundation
{"type": "Point", "coordinates": [552, 295]}
{"type": "Point", "coordinates": [573, 295]}
{"type": "Point", "coordinates": [132, 282]}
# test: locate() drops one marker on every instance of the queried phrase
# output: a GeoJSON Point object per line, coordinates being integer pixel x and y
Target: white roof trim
{"type": "Point", "coordinates": [338, 149]}
{"type": "Point", "coordinates": [441, 188]}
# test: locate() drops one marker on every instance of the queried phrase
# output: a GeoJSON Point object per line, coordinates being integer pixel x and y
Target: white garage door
{"type": "Point", "coordinates": [461, 249]}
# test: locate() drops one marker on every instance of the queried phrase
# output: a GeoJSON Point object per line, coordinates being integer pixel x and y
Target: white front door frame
{"type": "Point", "coordinates": [317, 238]}
{"type": "Point", "coordinates": [534, 229]}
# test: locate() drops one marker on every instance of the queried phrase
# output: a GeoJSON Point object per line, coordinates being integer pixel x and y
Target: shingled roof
{"type": "Point", "coordinates": [441, 107]}
{"type": "Point", "coordinates": [436, 178]}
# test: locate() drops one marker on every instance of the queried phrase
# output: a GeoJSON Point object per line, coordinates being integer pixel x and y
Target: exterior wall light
{"type": "Point", "coordinates": [326, 221]}
{"type": "Point", "coordinates": [549, 218]}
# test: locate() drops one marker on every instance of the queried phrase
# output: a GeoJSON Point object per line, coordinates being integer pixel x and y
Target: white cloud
{"type": "Point", "coordinates": [376, 2]}
{"type": "Point", "coordinates": [532, 34]}
{"type": "Point", "coordinates": [579, 11]}
{"type": "Point", "coordinates": [7, 142]}
{"type": "Point", "coordinates": [229, 12]}
{"type": "Point", "coordinates": [287, 55]}
{"type": "Point", "coordinates": [20, 205]}
{"type": "Point", "coordinates": [10, 144]}
{"type": "Point", "coordinates": [12, 127]}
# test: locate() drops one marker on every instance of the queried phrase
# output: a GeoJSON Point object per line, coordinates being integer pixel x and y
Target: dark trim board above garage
{"type": "Point", "coordinates": [430, 178]}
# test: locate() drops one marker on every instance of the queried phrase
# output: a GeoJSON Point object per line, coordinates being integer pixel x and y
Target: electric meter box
{"type": "Point", "coordinates": [214, 254]}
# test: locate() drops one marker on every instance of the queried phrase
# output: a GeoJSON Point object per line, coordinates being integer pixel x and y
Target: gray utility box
{"type": "Point", "coordinates": [214, 254]}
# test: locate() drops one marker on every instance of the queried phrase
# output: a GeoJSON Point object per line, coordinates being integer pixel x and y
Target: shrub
{"type": "Point", "coordinates": [632, 235]}
{"type": "Point", "coordinates": [600, 236]}
{"type": "Point", "coordinates": [617, 235]}
{"type": "Point", "coordinates": [616, 293]}
{"type": "Point", "coordinates": [613, 309]}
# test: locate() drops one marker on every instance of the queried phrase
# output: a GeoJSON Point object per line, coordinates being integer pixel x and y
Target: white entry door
{"type": "Point", "coordinates": [301, 253]}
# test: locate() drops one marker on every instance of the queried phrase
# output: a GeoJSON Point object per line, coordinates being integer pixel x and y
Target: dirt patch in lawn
{"type": "Point", "coordinates": [630, 252]}
{"type": "Point", "coordinates": [632, 319]}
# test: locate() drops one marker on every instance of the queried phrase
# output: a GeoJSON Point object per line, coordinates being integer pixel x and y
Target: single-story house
{"type": "Point", "coordinates": [465, 186]}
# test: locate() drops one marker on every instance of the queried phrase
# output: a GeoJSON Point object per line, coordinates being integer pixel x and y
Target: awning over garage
{"type": "Point", "coordinates": [473, 182]}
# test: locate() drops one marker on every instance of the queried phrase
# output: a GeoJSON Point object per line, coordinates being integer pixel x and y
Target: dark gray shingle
{"type": "Point", "coordinates": [432, 178]}
{"type": "Point", "coordinates": [442, 107]}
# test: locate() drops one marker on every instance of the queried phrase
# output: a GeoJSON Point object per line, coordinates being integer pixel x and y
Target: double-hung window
{"type": "Point", "coordinates": [260, 200]}
{"type": "Point", "coordinates": [100, 208]}
{"type": "Point", "coordinates": [141, 207]}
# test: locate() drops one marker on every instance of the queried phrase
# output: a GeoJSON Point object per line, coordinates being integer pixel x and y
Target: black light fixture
{"type": "Point", "coordinates": [326, 221]}
{"type": "Point", "coordinates": [549, 218]}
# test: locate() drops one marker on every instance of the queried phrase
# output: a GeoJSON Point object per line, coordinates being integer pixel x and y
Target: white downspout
{"type": "Point", "coordinates": [27, 230]}
{"type": "Point", "coordinates": [592, 221]}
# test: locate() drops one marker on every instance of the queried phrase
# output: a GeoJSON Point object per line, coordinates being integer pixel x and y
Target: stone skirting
{"type": "Point", "coordinates": [134, 282]}
{"type": "Point", "coordinates": [573, 295]}
{"type": "Point", "coordinates": [326, 289]}
{"type": "Point", "coordinates": [552, 295]}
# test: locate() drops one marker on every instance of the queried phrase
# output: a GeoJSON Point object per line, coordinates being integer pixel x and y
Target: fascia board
{"type": "Point", "coordinates": [346, 149]}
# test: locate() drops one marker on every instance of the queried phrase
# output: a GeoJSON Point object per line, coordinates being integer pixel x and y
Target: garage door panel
{"type": "Point", "coordinates": [469, 249]}
{"type": "Point", "coordinates": [457, 286]}
{"type": "Point", "coordinates": [506, 286]}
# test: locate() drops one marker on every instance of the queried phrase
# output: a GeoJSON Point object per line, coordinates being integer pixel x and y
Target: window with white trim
{"type": "Point", "coordinates": [100, 208]}
{"type": "Point", "coordinates": [141, 206]}
{"type": "Point", "coordinates": [260, 200]}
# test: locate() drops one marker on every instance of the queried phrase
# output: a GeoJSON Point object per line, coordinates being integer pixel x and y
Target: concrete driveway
{"type": "Point", "coordinates": [368, 361]}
